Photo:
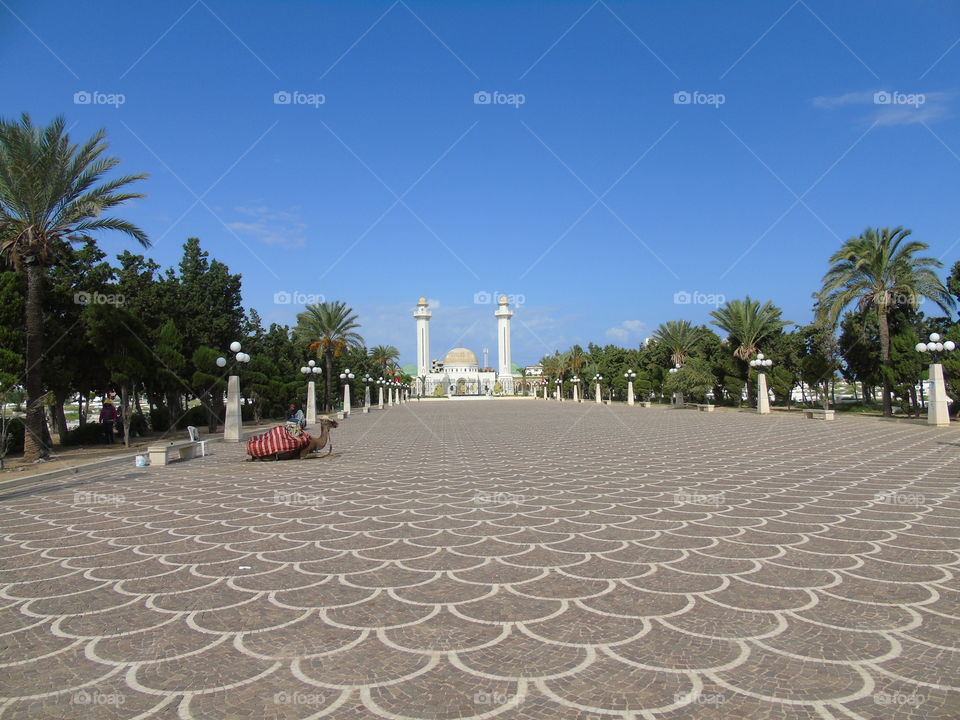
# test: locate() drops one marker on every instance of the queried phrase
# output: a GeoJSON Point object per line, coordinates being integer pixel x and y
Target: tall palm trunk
{"type": "Point", "coordinates": [885, 359]}
{"type": "Point", "coordinates": [33, 445]}
{"type": "Point", "coordinates": [328, 356]}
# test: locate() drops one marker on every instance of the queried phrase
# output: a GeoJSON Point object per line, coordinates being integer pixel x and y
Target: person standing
{"type": "Point", "coordinates": [108, 418]}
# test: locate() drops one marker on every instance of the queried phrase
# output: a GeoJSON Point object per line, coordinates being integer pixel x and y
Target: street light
{"type": "Point", "coordinates": [630, 375]}
{"type": "Point", "coordinates": [677, 396]}
{"type": "Point", "coordinates": [938, 410]}
{"type": "Point", "coordinates": [597, 379]}
{"type": "Point", "coordinates": [366, 390]}
{"type": "Point", "coordinates": [310, 371]}
{"type": "Point", "coordinates": [761, 363]}
{"type": "Point", "coordinates": [346, 376]}
{"type": "Point", "coordinates": [576, 388]}
{"type": "Point", "coordinates": [380, 385]}
{"type": "Point", "coordinates": [559, 383]}
{"type": "Point", "coordinates": [232, 421]}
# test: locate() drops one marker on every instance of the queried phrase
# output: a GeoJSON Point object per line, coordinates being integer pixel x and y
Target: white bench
{"type": "Point", "coordinates": [812, 414]}
{"type": "Point", "coordinates": [704, 407]}
{"type": "Point", "coordinates": [182, 449]}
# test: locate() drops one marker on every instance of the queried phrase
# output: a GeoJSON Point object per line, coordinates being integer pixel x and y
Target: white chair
{"type": "Point", "coordinates": [195, 437]}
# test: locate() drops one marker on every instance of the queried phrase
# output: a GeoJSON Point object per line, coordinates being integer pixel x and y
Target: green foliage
{"type": "Point", "coordinates": [87, 434]}
{"type": "Point", "coordinates": [694, 379]}
{"type": "Point", "coordinates": [748, 324]}
{"type": "Point", "coordinates": [679, 337]}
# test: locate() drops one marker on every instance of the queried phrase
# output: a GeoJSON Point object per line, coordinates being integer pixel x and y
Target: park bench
{"type": "Point", "coordinates": [705, 407]}
{"type": "Point", "coordinates": [813, 414]}
{"type": "Point", "coordinates": [644, 404]}
{"type": "Point", "coordinates": [184, 449]}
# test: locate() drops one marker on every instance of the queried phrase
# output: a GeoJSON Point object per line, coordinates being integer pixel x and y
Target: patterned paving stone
{"type": "Point", "coordinates": [523, 560]}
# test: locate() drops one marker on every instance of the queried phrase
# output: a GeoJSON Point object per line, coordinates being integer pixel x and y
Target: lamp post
{"type": "Point", "coordinates": [380, 384]}
{"type": "Point", "coordinates": [597, 380]}
{"type": "Point", "coordinates": [366, 391]}
{"type": "Point", "coordinates": [232, 422]}
{"type": "Point", "coordinates": [559, 383]}
{"type": "Point", "coordinates": [346, 376]}
{"type": "Point", "coordinates": [763, 397]}
{"type": "Point", "coordinates": [576, 388]}
{"type": "Point", "coordinates": [310, 370]}
{"type": "Point", "coordinates": [677, 396]}
{"type": "Point", "coordinates": [938, 406]}
{"type": "Point", "coordinates": [630, 375]}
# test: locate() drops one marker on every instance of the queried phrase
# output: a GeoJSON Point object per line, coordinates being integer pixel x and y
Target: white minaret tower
{"type": "Point", "coordinates": [503, 314]}
{"type": "Point", "coordinates": [422, 314]}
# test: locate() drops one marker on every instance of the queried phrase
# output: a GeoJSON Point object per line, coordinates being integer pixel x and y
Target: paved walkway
{"type": "Point", "coordinates": [517, 559]}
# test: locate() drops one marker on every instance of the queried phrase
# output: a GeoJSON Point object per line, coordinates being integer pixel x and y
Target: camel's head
{"type": "Point", "coordinates": [329, 423]}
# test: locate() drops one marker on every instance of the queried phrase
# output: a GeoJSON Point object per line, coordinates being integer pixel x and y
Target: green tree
{"type": "Point", "coordinates": [328, 328]}
{"type": "Point", "coordinates": [694, 379]}
{"type": "Point", "coordinates": [880, 269]}
{"type": "Point", "coordinates": [748, 324]}
{"type": "Point", "coordinates": [680, 337]}
{"type": "Point", "coordinates": [52, 192]}
{"type": "Point", "coordinates": [382, 356]}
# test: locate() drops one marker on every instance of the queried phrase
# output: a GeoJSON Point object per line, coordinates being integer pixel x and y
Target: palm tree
{"type": "Point", "coordinates": [879, 270]}
{"type": "Point", "coordinates": [576, 358]}
{"type": "Point", "coordinates": [384, 355]}
{"type": "Point", "coordinates": [328, 328]}
{"type": "Point", "coordinates": [52, 193]}
{"type": "Point", "coordinates": [553, 367]}
{"type": "Point", "coordinates": [680, 337]}
{"type": "Point", "coordinates": [522, 372]}
{"type": "Point", "coordinates": [748, 323]}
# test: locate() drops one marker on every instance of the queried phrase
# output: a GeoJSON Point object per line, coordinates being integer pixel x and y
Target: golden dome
{"type": "Point", "coordinates": [460, 357]}
{"type": "Point", "coordinates": [423, 301]}
{"type": "Point", "coordinates": [503, 299]}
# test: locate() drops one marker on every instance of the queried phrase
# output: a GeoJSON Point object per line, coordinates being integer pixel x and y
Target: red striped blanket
{"type": "Point", "coordinates": [274, 441]}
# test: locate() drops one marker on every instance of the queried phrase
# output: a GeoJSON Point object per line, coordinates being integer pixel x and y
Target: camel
{"type": "Point", "coordinates": [312, 449]}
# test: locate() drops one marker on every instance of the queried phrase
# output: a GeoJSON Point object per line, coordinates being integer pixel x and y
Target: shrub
{"type": "Point", "coordinates": [86, 434]}
{"type": "Point", "coordinates": [138, 425]}
{"type": "Point", "coordinates": [15, 431]}
{"type": "Point", "coordinates": [196, 416]}
{"type": "Point", "coordinates": [160, 419]}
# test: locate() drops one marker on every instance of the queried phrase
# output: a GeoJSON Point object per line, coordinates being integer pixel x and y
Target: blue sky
{"type": "Point", "coordinates": [588, 188]}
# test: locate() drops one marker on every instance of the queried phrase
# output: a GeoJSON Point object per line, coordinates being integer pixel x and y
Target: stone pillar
{"type": "Point", "coordinates": [380, 396]}
{"type": "Point", "coordinates": [346, 399]}
{"type": "Point", "coordinates": [366, 396]}
{"type": "Point", "coordinates": [576, 392]}
{"type": "Point", "coordinates": [599, 400]}
{"type": "Point", "coordinates": [763, 397]}
{"type": "Point", "coordinates": [938, 407]}
{"type": "Point", "coordinates": [422, 315]}
{"type": "Point", "coordinates": [232, 422]}
{"type": "Point", "coordinates": [630, 392]}
{"type": "Point", "coordinates": [503, 314]}
{"type": "Point", "coordinates": [311, 403]}
{"type": "Point", "coordinates": [389, 397]}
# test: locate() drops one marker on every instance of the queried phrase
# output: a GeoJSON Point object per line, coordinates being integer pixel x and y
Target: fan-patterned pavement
{"type": "Point", "coordinates": [510, 559]}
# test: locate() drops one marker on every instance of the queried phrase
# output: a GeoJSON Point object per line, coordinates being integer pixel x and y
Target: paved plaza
{"type": "Point", "coordinates": [508, 558]}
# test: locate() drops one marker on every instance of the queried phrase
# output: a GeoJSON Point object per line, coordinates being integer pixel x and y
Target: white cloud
{"type": "Point", "coordinates": [282, 228]}
{"type": "Point", "coordinates": [629, 331]}
{"type": "Point", "coordinates": [914, 107]}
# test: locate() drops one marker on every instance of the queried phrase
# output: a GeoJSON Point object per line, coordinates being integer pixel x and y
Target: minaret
{"type": "Point", "coordinates": [503, 314]}
{"type": "Point", "coordinates": [422, 314]}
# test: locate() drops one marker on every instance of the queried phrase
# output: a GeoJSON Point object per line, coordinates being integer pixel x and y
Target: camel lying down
{"type": "Point", "coordinates": [311, 450]}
